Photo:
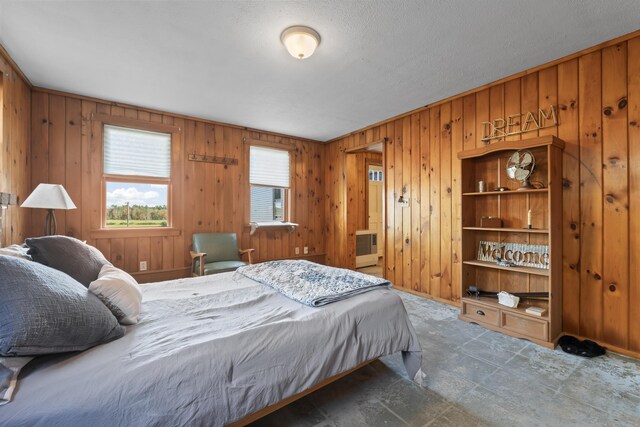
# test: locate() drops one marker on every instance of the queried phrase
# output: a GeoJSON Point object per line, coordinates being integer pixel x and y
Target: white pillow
{"type": "Point", "coordinates": [119, 292]}
{"type": "Point", "coordinates": [18, 251]}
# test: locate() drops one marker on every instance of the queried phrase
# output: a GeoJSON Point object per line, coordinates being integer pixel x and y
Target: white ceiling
{"type": "Point", "coordinates": [224, 61]}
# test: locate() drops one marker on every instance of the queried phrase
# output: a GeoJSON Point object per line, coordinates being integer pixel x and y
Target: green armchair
{"type": "Point", "coordinates": [216, 253]}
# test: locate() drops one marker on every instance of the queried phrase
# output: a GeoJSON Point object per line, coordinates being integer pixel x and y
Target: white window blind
{"type": "Point", "coordinates": [136, 152]}
{"type": "Point", "coordinates": [269, 167]}
{"type": "Point", "coordinates": [262, 204]}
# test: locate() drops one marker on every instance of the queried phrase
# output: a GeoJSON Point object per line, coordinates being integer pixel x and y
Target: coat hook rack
{"type": "Point", "coordinates": [213, 159]}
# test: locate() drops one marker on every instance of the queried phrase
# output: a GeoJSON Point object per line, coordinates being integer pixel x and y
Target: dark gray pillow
{"type": "Point", "coordinates": [72, 256]}
{"type": "Point", "coordinates": [44, 311]}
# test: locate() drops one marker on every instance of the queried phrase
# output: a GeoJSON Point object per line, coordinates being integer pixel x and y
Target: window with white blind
{"type": "Point", "coordinates": [269, 175]}
{"type": "Point", "coordinates": [137, 177]}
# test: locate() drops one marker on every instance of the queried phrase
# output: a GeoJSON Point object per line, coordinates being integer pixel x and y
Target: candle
{"type": "Point", "coordinates": [529, 219]}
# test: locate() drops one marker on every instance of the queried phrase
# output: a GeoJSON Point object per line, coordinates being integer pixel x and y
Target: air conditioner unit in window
{"type": "Point", "coordinates": [366, 248]}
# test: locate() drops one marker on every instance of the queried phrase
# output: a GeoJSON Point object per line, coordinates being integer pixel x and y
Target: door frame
{"type": "Point", "coordinates": [351, 263]}
{"type": "Point", "coordinates": [367, 164]}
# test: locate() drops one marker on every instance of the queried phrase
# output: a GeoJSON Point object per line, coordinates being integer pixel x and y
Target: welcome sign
{"type": "Point", "coordinates": [520, 254]}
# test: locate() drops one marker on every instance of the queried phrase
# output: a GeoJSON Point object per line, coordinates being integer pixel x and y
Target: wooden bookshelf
{"type": "Point", "coordinates": [489, 165]}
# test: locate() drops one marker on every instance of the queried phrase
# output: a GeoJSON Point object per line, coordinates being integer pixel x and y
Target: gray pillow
{"type": "Point", "coordinates": [44, 311]}
{"type": "Point", "coordinates": [72, 256]}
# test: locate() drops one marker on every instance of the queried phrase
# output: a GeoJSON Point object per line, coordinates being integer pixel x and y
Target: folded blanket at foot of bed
{"type": "Point", "coordinates": [310, 283]}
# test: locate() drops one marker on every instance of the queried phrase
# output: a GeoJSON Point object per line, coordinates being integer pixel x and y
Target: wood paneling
{"type": "Point", "coordinates": [206, 196]}
{"type": "Point", "coordinates": [633, 76]}
{"type": "Point", "coordinates": [597, 94]}
{"type": "Point", "coordinates": [571, 223]}
{"type": "Point", "coordinates": [15, 157]}
{"type": "Point", "coordinates": [589, 110]}
{"type": "Point", "coordinates": [615, 158]}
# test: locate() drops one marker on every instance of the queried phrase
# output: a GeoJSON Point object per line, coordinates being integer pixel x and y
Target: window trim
{"type": "Point", "coordinates": [288, 192]}
{"type": "Point", "coordinates": [100, 120]}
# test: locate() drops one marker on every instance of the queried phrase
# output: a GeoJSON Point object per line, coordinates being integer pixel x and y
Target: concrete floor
{"type": "Point", "coordinates": [475, 377]}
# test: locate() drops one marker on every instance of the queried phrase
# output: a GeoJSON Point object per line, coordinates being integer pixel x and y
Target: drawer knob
{"type": "Point", "coordinates": [480, 312]}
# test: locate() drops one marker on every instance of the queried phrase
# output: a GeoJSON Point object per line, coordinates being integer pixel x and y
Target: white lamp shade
{"type": "Point", "coordinates": [49, 196]}
{"type": "Point", "coordinates": [300, 41]}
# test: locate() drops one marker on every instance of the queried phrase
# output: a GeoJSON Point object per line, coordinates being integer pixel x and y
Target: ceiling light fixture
{"type": "Point", "coordinates": [300, 41]}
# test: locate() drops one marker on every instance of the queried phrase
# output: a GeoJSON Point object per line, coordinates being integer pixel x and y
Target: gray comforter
{"type": "Point", "coordinates": [209, 351]}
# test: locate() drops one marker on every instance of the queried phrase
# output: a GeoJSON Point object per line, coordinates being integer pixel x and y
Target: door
{"type": "Point", "coordinates": [376, 206]}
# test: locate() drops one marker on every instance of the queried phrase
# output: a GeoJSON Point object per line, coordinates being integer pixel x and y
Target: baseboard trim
{"type": "Point", "coordinates": [152, 276]}
{"type": "Point", "coordinates": [427, 296]}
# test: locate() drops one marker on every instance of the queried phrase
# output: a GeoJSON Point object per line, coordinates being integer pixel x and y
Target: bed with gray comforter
{"type": "Point", "coordinates": [209, 351]}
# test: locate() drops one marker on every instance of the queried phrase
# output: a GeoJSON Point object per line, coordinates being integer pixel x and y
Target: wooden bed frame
{"type": "Point", "coordinates": [272, 408]}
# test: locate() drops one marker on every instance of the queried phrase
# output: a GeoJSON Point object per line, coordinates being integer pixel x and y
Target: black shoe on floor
{"type": "Point", "coordinates": [586, 348]}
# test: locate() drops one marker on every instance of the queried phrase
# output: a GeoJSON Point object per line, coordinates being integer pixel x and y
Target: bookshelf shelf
{"type": "Point", "coordinates": [509, 230]}
{"type": "Point", "coordinates": [517, 269]}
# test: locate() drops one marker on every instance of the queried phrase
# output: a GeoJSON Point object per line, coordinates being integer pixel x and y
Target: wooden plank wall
{"type": "Point", "coordinates": [15, 98]}
{"type": "Point", "coordinates": [598, 100]}
{"type": "Point", "coordinates": [210, 197]}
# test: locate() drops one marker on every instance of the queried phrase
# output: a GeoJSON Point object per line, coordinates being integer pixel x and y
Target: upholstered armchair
{"type": "Point", "coordinates": [216, 253]}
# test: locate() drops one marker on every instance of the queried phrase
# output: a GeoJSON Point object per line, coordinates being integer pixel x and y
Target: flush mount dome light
{"type": "Point", "coordinates": [300, 41]}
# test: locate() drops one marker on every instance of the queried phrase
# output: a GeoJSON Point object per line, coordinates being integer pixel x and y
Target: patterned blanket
{"type": "Point", "coordinates": [310, 283]}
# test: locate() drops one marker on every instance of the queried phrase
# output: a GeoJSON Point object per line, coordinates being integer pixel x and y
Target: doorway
{"type": "Point", "coordinates": [375, 205]}
{"type": "Point", "coordinates": [366, 208]}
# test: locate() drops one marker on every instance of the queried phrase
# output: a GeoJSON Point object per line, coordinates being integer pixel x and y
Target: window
{"type": "Point", "coordinates": [375, 175]}
{"type": "Point", "coordinates": [137, 176]}
{"type": "Point", "coordinates": [269, 181]}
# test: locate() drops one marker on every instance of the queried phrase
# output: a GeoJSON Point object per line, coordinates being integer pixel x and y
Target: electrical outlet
{"type": "Point", "coordinates": [143, 265]}
{"type": "Point", "coordinates": [297, 250]}
{"type": "Point", "coordinates": [306, 250]}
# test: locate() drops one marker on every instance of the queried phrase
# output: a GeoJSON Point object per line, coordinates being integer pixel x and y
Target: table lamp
{"type": "Point", "coordinates": [50, 197]}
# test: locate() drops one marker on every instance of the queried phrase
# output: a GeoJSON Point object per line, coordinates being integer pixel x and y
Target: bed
{"type": "Point", "coordinates": [213, 350]}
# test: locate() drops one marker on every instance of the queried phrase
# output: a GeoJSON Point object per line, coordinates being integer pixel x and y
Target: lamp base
{"type": "Point", "coordinates": [50, 224]}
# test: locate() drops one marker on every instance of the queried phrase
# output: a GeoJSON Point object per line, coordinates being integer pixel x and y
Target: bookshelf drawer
{"type": "Point", "coordinates": [533, 328]}
{"type": "Point", "coordinates": [480, 312]}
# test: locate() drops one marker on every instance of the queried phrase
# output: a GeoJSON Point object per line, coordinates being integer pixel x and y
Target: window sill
{"type": "Point", "coordinates": [255, 226]}
{"type": "Point", "coordinates": [110, 233]}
